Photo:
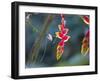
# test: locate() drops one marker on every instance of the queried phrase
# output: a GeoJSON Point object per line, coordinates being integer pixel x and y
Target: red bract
{"type": "Point", "coordinates": [61, 43]}
{"type": "Point", "coordinates": [86, 19]}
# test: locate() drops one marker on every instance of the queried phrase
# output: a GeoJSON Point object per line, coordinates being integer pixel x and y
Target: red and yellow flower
{"type": "Point", "coordinates": [64, 38]}
{"type": "Point", "coordinates": [85, 42]}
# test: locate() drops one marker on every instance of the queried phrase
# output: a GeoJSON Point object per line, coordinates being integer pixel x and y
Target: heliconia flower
{"type": "Point", "coordinates": [86, 19]}
{"type": "Point", "coordinates": [85, 44]}
{"type": "Point", "coordinates": [49, 37]}
{"type": "Point", "coordinates": [61, 35]}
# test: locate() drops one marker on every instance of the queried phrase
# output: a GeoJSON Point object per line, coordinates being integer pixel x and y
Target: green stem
{"type": "Point", "coordinates": [40, 38]}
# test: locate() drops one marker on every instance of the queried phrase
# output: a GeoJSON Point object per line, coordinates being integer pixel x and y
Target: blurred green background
{"type": "Point", "coordinates": [41, 52]}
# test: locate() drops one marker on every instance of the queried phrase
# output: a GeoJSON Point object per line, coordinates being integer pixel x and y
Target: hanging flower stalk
{"type": "Point", "coordinates": [85, 42]}
{"type": "Point", "coordinates": [62, 34]}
